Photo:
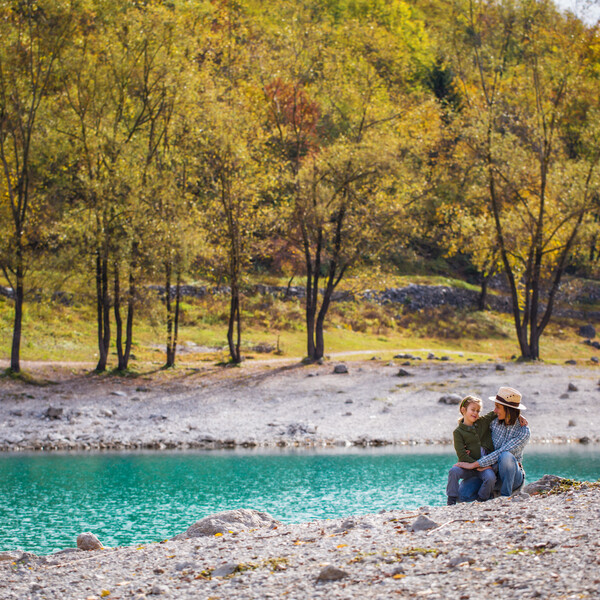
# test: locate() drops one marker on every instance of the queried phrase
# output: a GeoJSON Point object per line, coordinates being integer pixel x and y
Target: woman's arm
{"type": "Point", "coordinates": [467, 465]}
{"type": "Point", "coordinates": [514, 444]}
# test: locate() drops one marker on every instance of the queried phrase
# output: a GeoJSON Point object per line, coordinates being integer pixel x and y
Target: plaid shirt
{"type": "Point", "coordinates": [506, 438]}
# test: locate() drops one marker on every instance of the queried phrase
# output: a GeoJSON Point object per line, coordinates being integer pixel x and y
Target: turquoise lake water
{"type": "Point", "coordinates": [46, 500]}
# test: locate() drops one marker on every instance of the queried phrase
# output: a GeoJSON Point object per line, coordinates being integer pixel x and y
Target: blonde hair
{"type": "Point", "coordinates": [465, 404]}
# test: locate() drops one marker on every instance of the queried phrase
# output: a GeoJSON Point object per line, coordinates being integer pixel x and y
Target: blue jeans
{"type": "Point", "coordinates": [509, 472]}
{"type": "Point", "coordinates": [485, 482]}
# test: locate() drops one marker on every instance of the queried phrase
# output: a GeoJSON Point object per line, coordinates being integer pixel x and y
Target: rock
{"type": "Point", "coordinates": [185, 566]}
{"type": "Point", "coordinates": [431, 356]}
{"type": "Point", "coordinates": [546, 483]}
{"type": "Point", "coordinates": [346, 525]}
{"type": "Point", "coordinates": [584, 440]}
{"type": "Point", "coordinates": [159, 590]}
{"type": "Point", "coordinates": [331, 573]}
{"type": "Point", "coordinates": [422, 523]}
{"type": "Point", "coordinates": [119, 393]}
{"type": "Point", "coordinates": [500, 368]}
{"type": "Point", "coordinates": [587, 331]}
{"type": "Point", "coordinates": [564, 396]}
{"type": "Point", "coordinates": [26, 557]}
{"type": "Point", "coordinates": [572, 388]}
{"type": "Point", "coordinates": [571, 423]}
{"type": "Point", "coordinates": [88, 541]}
{"type": "Point", "coordinates": [301, 429]}
{"type": "Point", "coordinates": [594, 359]}
{"type": "Point", "coordinates": [403, 373]}
{"type": "Point", "coordinates": [445, 358]}
{"type": "Point", "coordinates": [450, 399]}
{"type": "Point", "coordinates": [225, 570]}
{"type": "Point", "coordinates": [9, 555]}
{"type": "Point", "coordinates": [53, 413]}
{"type": "Point", "coordinates": [230, 520]}
{"type": "Point", "coordinates": [340, 369]}
{"type": "Point", "coordinates": [397, 571]}
{"type": "Point", "coordinates": [570, 362]}
{"type": "Point", "coordinates": [457, 561]}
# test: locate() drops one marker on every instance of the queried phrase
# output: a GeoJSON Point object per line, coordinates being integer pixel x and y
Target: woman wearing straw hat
{"type": "Point", "coordinates": [509, 438]}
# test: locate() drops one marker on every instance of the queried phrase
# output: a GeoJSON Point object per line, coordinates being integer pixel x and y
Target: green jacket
{"type": "Point", "coordinates": [474, 437]}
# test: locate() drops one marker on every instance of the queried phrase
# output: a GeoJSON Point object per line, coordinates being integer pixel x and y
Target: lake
{"type": "Point", "coordinates": [47, 499]}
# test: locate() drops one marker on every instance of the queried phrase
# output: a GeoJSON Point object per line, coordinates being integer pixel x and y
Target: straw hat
{"type": "Point", "coordinates": [508, 397]}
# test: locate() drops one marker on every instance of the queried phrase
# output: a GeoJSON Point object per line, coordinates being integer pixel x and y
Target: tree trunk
{"type": "Point", "coordinates": [124, 350]}
{"type": "Point", "coordinates": [173, 318]}
{"type": "Point", "coordinates": [313, 273]}
{"type": "Point", "coordinates": [481, 301]}
{"type": "Point", "coordinates": [15, 353]}
{"type": "Point", "coordinates": [234, 326]}
{"type": "Point", "coordinates": [170, 350]}
{"type": "Point", "coordinates": [102, 311]}
{"type": "Point", "coordinates": [118, 319]}
{"type": "Point", "coordinates": [310, 315]}
{"type": "Point", "coordinates": [130, 313]}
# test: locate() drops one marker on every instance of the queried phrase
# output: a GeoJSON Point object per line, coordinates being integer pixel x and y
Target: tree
{"type": "Point", "coordinates": [34, 33]}
{"type": "Point", "coordinates": [336, 125]}
{"type": "Point", "coordinates": [531, 67]}
{"type": "Point", "coordinates": [116, 94]}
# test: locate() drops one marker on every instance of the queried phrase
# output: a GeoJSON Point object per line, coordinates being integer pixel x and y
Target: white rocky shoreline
{"type": "Point", "coordinates": [528, 546]}
{"type": "Point", "coordinates": [373, 404]}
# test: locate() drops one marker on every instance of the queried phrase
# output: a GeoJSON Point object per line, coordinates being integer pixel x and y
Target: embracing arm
{"type": "Point", "coordinates": [514, 444]}
{"type": "Point", "coordinates": [486, 419]}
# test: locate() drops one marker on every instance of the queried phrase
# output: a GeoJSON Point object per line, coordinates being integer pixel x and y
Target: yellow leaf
{"type": "Point", "coordinates": [341, 545]}
{"type": "Point", "coordinates": [218, 534]}
{"type": "Point", "coordinates": [398, 576]}
{"type": "Point", "coordinates": [105, 593]}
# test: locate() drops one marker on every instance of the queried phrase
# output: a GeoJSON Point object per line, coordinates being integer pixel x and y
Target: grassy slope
{"type": "Point", "coordinates": [53, 332]}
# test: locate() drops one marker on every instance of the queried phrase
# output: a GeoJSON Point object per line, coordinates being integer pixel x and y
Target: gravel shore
{"type": "Point", "coordinates": [544, 546]}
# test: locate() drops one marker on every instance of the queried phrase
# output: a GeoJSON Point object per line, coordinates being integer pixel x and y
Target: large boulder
{"type": "Point", "coordinates": [545, 484]}
{"type": "Point", "coordinates": [230, 520]}
{"type": "Point", "coordinates": [450, 399]}
{"type": "Point", "coordinates": [88, 541]}
{"type": "Point", "coordinates": [587, 331]}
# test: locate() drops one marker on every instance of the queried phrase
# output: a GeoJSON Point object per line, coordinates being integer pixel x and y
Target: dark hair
{"type": "Point", "coordinates": [512, 415]}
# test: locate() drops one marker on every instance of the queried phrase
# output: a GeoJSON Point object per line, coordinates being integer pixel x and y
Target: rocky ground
{"type": "Point", "coordinates": [405, 401]}
{"type": "Point", "coordinates": [529, 546]}
{"type": "Point", "coordinates": [538, 546]}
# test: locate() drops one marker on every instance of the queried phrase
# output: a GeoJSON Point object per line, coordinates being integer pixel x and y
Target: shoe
{"type": "Point", "coordinates": [452, 500]}
{"type": "Point", "coordinates": [482, 499]}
